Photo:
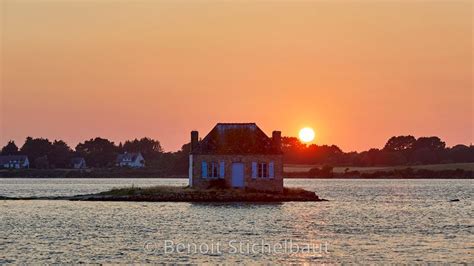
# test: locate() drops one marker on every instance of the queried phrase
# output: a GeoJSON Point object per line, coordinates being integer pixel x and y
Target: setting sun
{"type": "Point", "coordinates": [306, 134]}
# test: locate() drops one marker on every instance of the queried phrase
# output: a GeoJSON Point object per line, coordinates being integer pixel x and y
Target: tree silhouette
{"type": "Point", "coordinates": [400, 143]}
{"type": "Point", "coordinates": [98, 152]}
{"type": "Point", "coordinates": [60, 154]}
{"type": "Point", "coordinates": [149, 148]}
{"type": "Point", "coordinates": [35, 148]}
{"type": "Point", "coordinates": [430, 143]}
{"type": "Point", "coordinates": [10, 148]}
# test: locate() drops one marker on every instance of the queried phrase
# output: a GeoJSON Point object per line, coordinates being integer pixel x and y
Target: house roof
{"type": "Point", "coordinates": [4, 159]}
{"type": "Point", "coordinates": [236, 138]}
{"type": "Point", "coordinates": [128, 156]}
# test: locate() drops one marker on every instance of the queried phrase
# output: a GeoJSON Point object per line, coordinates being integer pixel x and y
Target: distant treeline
{"type": "Point", "coordinates": [91, 173]}
{"type": "Point", "coordinates": [399, 150]}
{"type": "Point", "coordinates": [406, 173]}
{"type": "Point", "coordinates": [101, 153]}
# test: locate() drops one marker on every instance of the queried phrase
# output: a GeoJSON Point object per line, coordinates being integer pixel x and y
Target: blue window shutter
{"type": "Point", "coordinates": [221, 169]}
{"type": "Point", "coordinates": [254, 170]}
{"type": "Point", "coordinates": [271, 170]}
{"type": "Point", "coordinates": [204, 169]}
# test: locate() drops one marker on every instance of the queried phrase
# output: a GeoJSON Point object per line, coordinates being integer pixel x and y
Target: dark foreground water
{"type": "Point", "coordinates": [364, 221]}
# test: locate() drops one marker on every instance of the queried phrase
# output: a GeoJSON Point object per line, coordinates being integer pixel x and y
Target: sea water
{"type": "Point", "coordinates": [364, 221]}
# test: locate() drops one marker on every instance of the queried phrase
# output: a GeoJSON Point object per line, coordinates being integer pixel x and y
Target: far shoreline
{"type": "Point", "coordinates": [285, 178]}
{"type": "Point", "coordinates": [439, 171]}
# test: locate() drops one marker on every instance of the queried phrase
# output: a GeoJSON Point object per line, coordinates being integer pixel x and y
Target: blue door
{"type": "Point", "coordinates": [237, 175]}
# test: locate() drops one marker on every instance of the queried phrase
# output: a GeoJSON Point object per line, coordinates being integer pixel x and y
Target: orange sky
{"type": "Point", "coordinates": [357, 72]}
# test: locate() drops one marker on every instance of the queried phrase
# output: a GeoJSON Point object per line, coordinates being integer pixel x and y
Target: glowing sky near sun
{"type": "Point", "coordinates": [357, 72]}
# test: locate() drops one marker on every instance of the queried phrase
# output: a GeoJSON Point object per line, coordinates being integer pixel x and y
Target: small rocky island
{"type": "Point", "coordinates": [187, 194]}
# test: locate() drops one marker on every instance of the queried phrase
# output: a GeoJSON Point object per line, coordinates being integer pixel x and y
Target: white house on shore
{"type": "Point", "coordinates": [78, 163]}
{"type": "Point", "coordinates": [14, 161]}
{"type": "Point", "coordinates": [132, 160]}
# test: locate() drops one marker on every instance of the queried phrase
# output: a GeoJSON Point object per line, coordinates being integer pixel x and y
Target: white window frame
{"type": "Point", "coordinates": [213, 170]}
{"type": "Point", "coordinates": [262, 170]}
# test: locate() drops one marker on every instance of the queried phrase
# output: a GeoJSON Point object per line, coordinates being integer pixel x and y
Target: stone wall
{"type": "Point", "coordinates": [263, 184]}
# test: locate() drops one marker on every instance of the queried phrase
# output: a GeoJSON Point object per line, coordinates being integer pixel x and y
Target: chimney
{"type": "Point", "coordinates": [194, 140]}
{"type": "Point", "coordinates": [276, 138]}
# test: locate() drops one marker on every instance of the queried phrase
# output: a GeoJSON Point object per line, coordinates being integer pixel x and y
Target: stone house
{"type": "Point", "coordinates": [239, 154]}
